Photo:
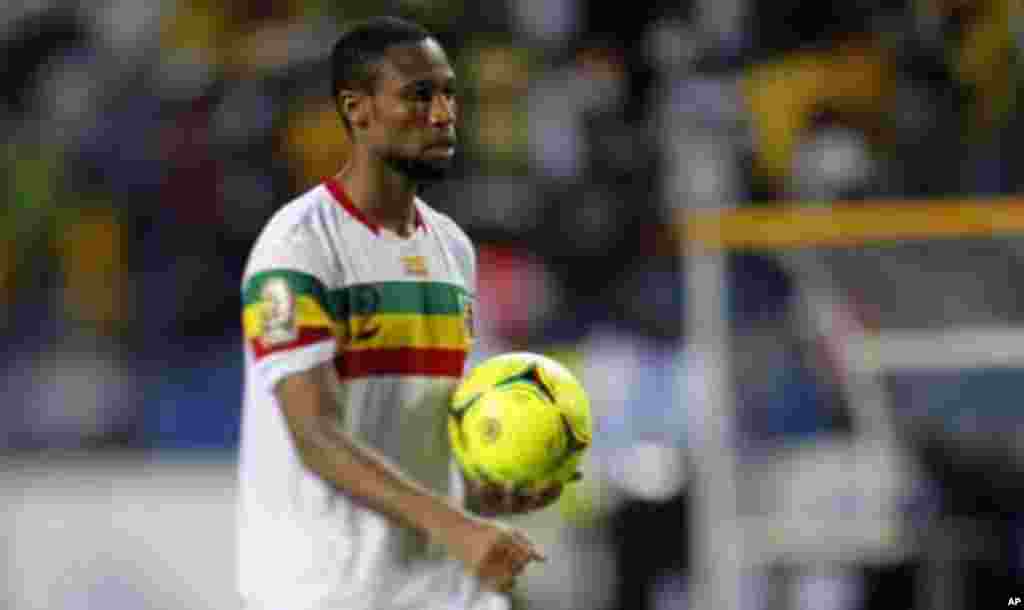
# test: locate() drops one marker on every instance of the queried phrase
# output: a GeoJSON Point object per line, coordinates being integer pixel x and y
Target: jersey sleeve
{"type": "Point", "coordinates": [286, 313]}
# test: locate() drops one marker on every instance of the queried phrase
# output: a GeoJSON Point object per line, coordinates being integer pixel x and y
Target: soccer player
{"type": "Point", "coordinates": [357, 316]}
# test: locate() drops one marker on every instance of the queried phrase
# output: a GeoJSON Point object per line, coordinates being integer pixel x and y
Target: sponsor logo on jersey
{"type": "Point", "coordinates": [415, 265]}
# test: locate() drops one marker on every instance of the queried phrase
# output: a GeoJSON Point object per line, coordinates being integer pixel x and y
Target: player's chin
{"type": "Point", "coordinates": [432, 172]}
{"type": "Point", "coordinates": [441, 151]}
{"type": "Point", "coordinates": [437, 160]}
{"type": "Point", "coordinates": [423, 169]}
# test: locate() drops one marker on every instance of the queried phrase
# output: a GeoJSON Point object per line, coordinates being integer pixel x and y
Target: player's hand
{"type": "Point", "coordinates": [494, 553]}
{"type": "Point", "coordinates": [492, 499]}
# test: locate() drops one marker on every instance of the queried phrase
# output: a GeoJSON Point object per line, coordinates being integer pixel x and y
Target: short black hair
{"type": "Point", "coordinates": [355, 55]}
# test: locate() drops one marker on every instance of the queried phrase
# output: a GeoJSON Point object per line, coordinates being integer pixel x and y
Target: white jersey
{"type": "Point", "coordinates": [394, 316]}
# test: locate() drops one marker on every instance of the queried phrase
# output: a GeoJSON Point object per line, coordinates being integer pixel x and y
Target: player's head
{"type": "Point", "coordinates": [395, 91]}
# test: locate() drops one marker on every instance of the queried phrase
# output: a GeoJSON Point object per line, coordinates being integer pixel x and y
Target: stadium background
{"type": "Point", "coordinates": [146, 143]}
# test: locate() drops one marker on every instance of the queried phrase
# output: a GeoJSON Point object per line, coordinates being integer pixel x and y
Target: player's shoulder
{"type": "Point", "coordinates": [295, 231]}
{"type": "Point", "coordinates": [298, 219]}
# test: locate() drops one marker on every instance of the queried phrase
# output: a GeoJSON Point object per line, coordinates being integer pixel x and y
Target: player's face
{"type": "Point", "coordinates": [414, 111]}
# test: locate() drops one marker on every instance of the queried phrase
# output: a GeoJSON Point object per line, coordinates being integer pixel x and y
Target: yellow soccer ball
{"type": "Point", "coordinates": [521, 420]}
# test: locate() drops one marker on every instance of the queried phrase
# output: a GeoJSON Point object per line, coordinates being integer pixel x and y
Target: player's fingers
{"type": "Point", "coordinates": [500, 568]}
{"type": "Point", "coordinates": [515, 501]}
{"type": "Point", "coordinates": [512, 501]}
{"type": "Point", "coordinates": [486, 490]}
{"type": "Point", "coordinates": [550, 494]}
{"type": "Point", "coordinates": [542, 498]}
{"type": "Point", "coordinates": [492, 498]}
{"type": "Point", "coordinates": [530, 551]}
{"type": "Point", "coordinates": [536, 555]}
{"type": "Point", "coordinates": [495, 499]}
{"type": "Point", "coordinates": [523, 550]}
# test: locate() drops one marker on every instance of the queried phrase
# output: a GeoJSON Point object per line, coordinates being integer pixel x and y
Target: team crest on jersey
{"type": "Point", "coordinates": [278, 323]}
{"type": "Point", "coordinates": [415, 265]}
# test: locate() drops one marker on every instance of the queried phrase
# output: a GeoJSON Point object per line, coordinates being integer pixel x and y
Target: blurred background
{"type": "Point", "coordinates": [825, 424]}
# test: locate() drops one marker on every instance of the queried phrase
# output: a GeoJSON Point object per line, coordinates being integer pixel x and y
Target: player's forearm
{"type": "Point", "coordinates": [369, 479]}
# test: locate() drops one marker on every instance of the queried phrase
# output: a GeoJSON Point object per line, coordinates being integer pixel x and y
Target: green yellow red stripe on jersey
{"type": "Point", "coordinates": [382, 328]}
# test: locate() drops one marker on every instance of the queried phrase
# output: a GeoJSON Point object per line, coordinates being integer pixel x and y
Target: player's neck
{"type": "Point", "coordinates": [385, 196]}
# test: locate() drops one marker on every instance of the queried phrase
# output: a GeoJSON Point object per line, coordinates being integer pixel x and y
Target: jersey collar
{"type": "Point", "coordinates": [337, 191]}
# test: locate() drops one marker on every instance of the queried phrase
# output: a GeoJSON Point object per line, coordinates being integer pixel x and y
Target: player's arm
{"type": "Point", "coordinates": [496, 554]}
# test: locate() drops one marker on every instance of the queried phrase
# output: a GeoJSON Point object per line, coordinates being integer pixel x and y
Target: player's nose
{"type": "Point", "coordinates": [442, 111]}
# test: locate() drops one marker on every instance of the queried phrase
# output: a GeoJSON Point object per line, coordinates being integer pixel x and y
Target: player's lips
{"type": "Point", "coordinates": [446, 148]}
{"type": "Point", "coordinates": [443, 144]}
{"type": "Point", "coordinates": [445, 139]}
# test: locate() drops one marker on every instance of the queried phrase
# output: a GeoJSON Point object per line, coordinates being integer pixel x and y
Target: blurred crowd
{"type": "Point", "coordinates": [145, 144]}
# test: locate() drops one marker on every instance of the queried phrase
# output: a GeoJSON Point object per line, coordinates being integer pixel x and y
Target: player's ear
{"type": "Point", "coordinates": [355, 106]}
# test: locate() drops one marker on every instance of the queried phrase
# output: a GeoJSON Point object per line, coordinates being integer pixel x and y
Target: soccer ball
{"type": "Point", "coordinates": [520, 420]}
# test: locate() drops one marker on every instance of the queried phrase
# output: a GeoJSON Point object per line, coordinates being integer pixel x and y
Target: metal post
{"type": "Point", "coordinates": [716, 551]}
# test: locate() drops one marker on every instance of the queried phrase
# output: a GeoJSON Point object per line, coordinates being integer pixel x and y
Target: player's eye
{"type": "Point", "coordinates": [422, 93]}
